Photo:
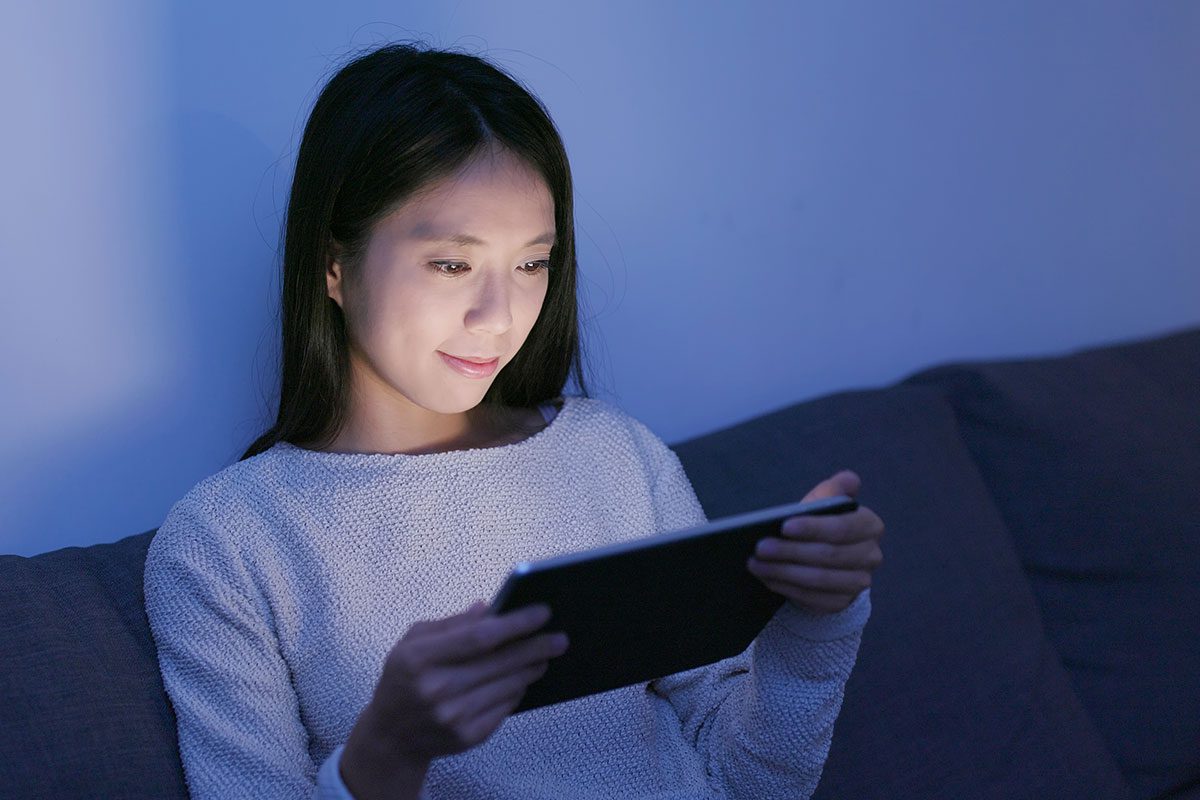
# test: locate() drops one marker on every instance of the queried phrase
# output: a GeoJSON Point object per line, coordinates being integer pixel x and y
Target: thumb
{"type": "Point", "coordinates": [845, 482]}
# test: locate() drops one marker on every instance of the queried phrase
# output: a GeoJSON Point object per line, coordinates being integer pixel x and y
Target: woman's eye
{"type": "Point", "coordinates": [452, 268]}
{"type": "Point", "coordinates": [537, 265]}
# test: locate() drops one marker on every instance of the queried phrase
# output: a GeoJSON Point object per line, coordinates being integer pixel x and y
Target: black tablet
{"type": "Point", "coordinates": [653, 606]}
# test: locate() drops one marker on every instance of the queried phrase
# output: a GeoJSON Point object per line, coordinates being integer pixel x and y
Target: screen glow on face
{"type": "Point", "coordinates": [461, 269]}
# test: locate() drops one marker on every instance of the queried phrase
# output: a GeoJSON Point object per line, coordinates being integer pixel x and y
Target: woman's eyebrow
{"type": "Point", "coordinates": [422, 234]}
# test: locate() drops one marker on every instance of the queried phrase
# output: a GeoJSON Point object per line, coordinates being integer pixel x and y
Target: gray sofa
{"type": "Point", "coordinates": [1036, 624]}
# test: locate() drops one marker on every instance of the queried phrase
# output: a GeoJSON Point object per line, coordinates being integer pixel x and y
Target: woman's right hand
{"type": "Point", "coordinates": [446, 686]}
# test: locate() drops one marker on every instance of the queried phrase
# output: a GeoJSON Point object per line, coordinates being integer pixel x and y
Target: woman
{"type": "Point", "coordinates": [308, 602]}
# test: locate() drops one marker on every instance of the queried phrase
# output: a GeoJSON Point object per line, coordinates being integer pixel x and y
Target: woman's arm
{"type": "Point", "coordinates": [445, 686]}
{"type": "Point", "coordinates": [237, 714]}
{"type": "Point", "coordinates": [763, 720]}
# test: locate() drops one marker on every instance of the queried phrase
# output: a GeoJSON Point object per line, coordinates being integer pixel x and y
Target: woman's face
{"type": "Point", "coordinates": [460, 269]}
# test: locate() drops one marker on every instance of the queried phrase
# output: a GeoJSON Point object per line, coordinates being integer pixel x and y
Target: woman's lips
{"type": "Point", "coordinates": [469, 368]}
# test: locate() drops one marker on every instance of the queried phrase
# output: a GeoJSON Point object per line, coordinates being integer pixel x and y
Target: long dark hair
{"type": "Point", "coordinates": [388, 123]}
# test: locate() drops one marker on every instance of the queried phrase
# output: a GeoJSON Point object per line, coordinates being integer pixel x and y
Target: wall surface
{"type": "Point", "coordinates": [776, 200]}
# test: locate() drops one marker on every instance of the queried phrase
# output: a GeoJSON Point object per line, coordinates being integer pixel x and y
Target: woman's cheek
{"type": "Point", "coordinates": [534, 304]}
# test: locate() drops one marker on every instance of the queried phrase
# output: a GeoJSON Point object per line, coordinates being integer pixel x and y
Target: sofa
{"type": "Point", "coordinates": [1036, 622]}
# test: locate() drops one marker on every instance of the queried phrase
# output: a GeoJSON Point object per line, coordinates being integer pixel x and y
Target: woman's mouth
{"type": "Point", "coordinates": [470, 369]}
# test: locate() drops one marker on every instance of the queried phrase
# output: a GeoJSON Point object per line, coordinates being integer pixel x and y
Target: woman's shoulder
{"type": "Point", "coordinates": [234, 500]}
{"type": "Point", "coordinates": [595, 412]}
{"type": "Point", "coordinates": [607, 416]}
{"type": "Point", "coordinates": [240, 481]}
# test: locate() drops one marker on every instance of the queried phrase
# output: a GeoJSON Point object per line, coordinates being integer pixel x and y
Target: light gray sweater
{"type": "Point", "coordinates": [276, 587]}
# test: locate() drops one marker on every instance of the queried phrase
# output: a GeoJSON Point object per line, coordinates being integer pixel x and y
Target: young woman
{"type": "Point", "coordinates": [318, 606]}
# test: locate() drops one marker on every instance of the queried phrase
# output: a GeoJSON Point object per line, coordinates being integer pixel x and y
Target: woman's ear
{"type": "Point", "coordinates": [333, 276]}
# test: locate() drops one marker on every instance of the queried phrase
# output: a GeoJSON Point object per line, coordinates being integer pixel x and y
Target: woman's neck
{"type": "Point", "coordinates": [479, 427]}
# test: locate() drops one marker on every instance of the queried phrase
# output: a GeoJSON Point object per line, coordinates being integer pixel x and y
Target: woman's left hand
{"type": "Point", "coordinates": [821, 563]}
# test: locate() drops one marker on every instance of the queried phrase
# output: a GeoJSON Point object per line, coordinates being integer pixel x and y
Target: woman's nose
{"type": "Point", "coordinates": [492, 309]}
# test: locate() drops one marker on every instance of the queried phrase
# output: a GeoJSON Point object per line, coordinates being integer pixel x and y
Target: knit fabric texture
{"type": "Point", "coordinates": [276, 588]}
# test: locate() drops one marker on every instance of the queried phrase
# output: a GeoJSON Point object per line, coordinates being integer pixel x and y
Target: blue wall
{"type": "Point", "coordinates": [775, 201]}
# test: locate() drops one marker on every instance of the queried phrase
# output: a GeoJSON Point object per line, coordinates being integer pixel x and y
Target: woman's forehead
{"type": "Point", "coordinates": [485, 200]}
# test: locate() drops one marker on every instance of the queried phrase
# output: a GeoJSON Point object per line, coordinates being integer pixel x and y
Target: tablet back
{"type": "Point", "coordinates": [654, 606]}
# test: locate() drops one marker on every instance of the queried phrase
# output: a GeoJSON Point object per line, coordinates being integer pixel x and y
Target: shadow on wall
{"type": "Point", "coordinates": [121, 476]}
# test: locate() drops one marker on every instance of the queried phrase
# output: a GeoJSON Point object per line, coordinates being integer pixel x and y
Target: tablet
{"type": "Point", "coordinates": [652, 606]}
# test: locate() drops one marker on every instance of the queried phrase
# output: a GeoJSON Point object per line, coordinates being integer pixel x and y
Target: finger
{"type": "Point", "coordinates": [487, 721]}
{"type": "Point", "coordinates": [857, 556]}
{"type": "Point", "coordinates": [510, 659]}
{"type": "Point", "coordinates": [485, 698]}
{"type": "Point", "coordinates": [801, 576]}
{"type": "Point", "coordinates": [860, 525]}
{"type": "Point", "coordinates": [480, 635]}
{"type": "Point", "coordinates": [845, 482]}
{"type": "Point", "coordinates": [823, 602]}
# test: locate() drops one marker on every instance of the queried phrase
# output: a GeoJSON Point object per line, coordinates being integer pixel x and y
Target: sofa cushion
{"type": "Point", "coordinates": [1094, 462]}
{"type": "Point", "coordinates": [85, 713]}
{"type": "Point", "coordinates": [956, 692]}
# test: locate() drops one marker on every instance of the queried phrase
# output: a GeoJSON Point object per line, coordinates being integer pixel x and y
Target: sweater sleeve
{"type": "Point", "coordinates": [237, 713]}
{"type": "Point", "coordinates": [761, 721]}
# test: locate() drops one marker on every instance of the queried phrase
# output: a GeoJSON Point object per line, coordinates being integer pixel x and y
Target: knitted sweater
{"type": "Point", "coordinates": [276, 587]}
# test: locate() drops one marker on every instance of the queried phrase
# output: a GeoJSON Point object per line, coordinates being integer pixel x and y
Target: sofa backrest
{"type": "Point", "coordinates": [956, 692]}
{"type": "Point", "coordinates": [1093, 460]}
{"type": "Point", "coordinates": [84, 710]}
